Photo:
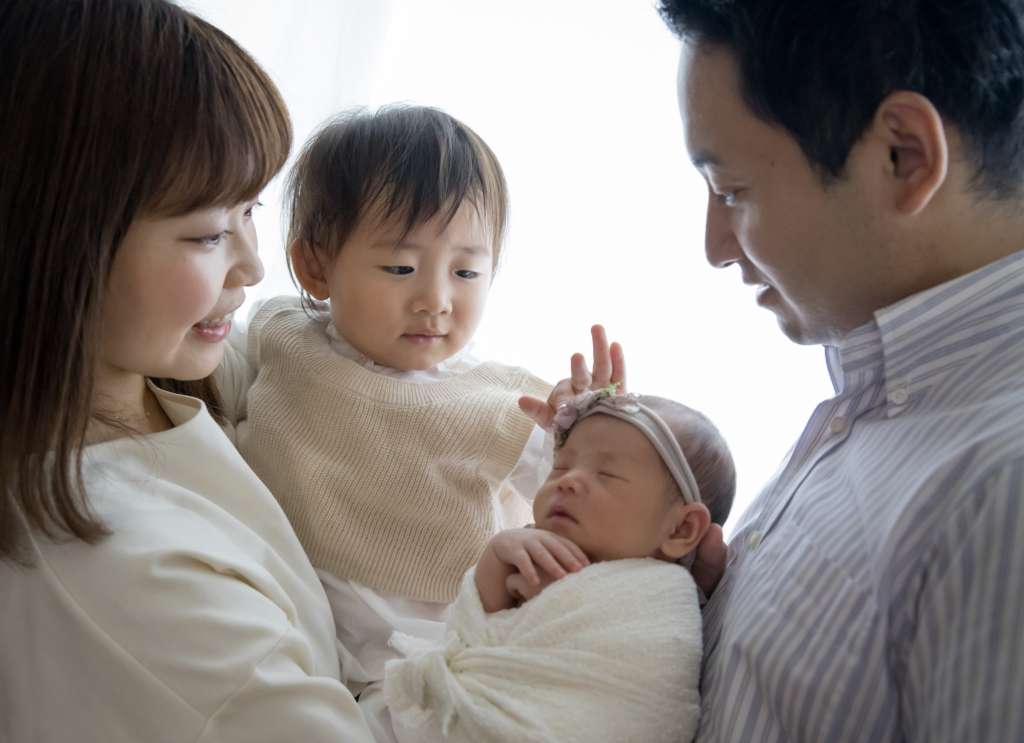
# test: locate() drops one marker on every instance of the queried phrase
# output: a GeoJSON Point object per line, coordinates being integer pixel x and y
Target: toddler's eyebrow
{"type": "Point", "coordinates": [399, 245]}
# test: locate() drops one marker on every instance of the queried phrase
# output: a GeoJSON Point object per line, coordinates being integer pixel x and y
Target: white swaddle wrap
{"type": "Point", "coordinates": [611, 653]}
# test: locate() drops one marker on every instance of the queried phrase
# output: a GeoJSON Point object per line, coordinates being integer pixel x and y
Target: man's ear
{"type": "Point", "coordinates": [912, 129]}
{"type": "Point", "coordinates": [690, 522]}
{"type": "Point", "coordinates": [308, 269]}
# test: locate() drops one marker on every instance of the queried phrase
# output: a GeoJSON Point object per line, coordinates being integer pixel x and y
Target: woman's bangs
{"type": "Point", "coordinates": [236, 140]}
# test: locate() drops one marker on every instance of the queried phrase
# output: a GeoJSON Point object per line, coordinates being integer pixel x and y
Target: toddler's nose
{"type": "Point", "coordinates": [433, 298]}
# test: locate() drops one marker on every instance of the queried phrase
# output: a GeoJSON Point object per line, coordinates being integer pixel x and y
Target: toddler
{"type": "Point", "coordinates": [584, 628]}
{"type": "Point", "coordinates": [359, 406]}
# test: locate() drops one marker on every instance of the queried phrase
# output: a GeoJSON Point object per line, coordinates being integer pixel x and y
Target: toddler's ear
{"type": "Point", "coordinates": [308, 270]}
{"type": "Point", "coordinates": [690, 522]}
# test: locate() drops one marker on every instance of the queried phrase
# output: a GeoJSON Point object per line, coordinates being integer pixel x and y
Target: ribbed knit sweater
{"type": "Point", "coordinates": [388, 483]}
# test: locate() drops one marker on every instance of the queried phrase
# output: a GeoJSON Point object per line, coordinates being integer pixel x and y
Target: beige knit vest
{"type": "Point", "coordinates": [391, 484]}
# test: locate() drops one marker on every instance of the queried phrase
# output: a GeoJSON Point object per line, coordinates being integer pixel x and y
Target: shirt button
{"type": "Point", "coordinates": [898, 397]}
{"type": "Point", "coordinates": [838, 424]}
{"type": "Point", "coordinates": [755, 539]}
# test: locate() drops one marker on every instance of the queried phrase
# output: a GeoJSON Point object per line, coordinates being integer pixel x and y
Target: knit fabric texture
{"type": "Point", "coordinates": [391, 484]}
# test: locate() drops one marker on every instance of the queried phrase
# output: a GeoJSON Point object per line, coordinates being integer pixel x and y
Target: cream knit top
{"type": "Point", "coordinates": [388, 483]}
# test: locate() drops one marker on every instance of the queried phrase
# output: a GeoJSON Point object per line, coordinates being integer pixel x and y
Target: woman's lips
{"type": "Point", "coordinates": [215, 330]}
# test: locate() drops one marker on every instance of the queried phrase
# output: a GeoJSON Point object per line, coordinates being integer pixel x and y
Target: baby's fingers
{"type": "Point", "coordinates": [555, 557]}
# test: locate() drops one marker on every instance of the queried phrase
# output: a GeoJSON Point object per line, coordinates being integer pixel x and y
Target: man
{"type": "Point", "coordinates": [864, 161]}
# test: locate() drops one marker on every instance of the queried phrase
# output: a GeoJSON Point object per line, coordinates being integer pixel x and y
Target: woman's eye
{"type": "Point", "coordinates": [254, 207]}
{"type": "Point", "coordinates": [467, 274]}
{"type": "Point", "coordinates": [212, 241]}
{"type": "Point", "coordinates": [397, 270]}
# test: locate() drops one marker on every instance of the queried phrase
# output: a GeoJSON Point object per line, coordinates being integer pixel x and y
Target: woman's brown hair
{"type": "Point", "coordinates": [109, 109]}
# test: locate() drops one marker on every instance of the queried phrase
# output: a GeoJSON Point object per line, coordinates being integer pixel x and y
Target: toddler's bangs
{"type": "Point", "coordinates": [399, 164]}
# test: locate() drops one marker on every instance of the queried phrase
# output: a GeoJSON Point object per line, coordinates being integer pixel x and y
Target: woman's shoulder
{"type": "Point", "coordinates": [176, 609]}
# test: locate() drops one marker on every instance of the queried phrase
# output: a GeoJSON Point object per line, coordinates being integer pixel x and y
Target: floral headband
{"type": "Point", "coordinates": [627, 407]}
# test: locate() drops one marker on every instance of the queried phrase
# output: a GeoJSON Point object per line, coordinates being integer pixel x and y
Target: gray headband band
{"type": "Point", "coordinates": [628, 408]}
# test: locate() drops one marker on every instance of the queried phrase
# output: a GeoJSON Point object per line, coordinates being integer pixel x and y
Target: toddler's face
{"type": "Point", "coordinates": [608, 492]}
{"type": "Point", "coordinates": [411, 303]}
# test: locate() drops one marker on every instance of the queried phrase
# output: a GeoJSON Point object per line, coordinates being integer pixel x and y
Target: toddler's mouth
{"type": "Point", "coordinates": [424, 337]}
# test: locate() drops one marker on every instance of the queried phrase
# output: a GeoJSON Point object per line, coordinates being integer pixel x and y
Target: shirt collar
{"type": "Point", "coordinates": [911, 342]}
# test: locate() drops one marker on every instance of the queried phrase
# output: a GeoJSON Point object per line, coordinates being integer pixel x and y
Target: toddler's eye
{"type": "Point", "coordinates": [467, 274]}
{"type": "Point", "coordinates": [397, 270]}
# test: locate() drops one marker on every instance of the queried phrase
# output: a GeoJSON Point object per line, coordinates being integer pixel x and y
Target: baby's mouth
{"type": "Point", "coordinates": [558, 512]}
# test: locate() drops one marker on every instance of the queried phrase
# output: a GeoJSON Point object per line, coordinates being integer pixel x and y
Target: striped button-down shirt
{"type": "Point", "coordinates": [875, 588]}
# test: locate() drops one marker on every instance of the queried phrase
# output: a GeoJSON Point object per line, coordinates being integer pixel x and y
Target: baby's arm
{"type": "Point", "coordinates": [609, 368]}
{"type": "Point", "coordinates": [522, 551]}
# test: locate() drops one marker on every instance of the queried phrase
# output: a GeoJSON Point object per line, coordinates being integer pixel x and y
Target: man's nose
{"type": "Point", "coordinates": [720, 244]}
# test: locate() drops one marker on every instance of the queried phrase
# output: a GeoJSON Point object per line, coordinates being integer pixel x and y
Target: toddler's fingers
{"type": "Point", "coordinates": [618, 360]}
{"type": "Point", "coordinates": [562, 393]}
{"type": "Point", "coordinates": [537, 410]}
{"type": "Point", "coordinates": [602, 359]}
{"type": "Point", "coordinates": [581, 378]}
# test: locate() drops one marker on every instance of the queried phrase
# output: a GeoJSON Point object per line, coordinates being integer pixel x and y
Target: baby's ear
{"type": "Point", "coordinates": [308, 269]}
{"type": "Point", "coordinates": [690, 522]}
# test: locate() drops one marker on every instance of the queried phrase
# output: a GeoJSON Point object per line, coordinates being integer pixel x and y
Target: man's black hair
{"type": "Point", "coordinates": [820, 68]}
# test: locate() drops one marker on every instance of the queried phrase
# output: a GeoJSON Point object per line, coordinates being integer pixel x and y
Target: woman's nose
{"type": "Point", "coordinates": [248, 268]}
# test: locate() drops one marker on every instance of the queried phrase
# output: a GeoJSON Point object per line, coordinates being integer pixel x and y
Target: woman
{"type": "Point", "coordinates": [152, 589]}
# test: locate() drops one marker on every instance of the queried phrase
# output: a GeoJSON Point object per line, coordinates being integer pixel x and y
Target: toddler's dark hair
{"type": "Point", "coordinates": [405, 163]}
{"type": "Point", "coordinates": [706, 452]}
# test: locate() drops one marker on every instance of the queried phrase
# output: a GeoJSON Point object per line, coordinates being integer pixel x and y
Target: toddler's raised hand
{"type": "Point", "coordinates": [609, 368]}
{"type": "Point", "coordinates": [523, 551]}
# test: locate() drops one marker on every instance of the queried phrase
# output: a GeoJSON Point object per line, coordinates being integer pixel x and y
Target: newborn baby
{"type": "Point", "coordinates": [586, 627]}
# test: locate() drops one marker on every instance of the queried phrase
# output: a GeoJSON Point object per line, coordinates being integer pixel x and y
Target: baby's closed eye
{"type": "Point", "coordinates": [397, 270]}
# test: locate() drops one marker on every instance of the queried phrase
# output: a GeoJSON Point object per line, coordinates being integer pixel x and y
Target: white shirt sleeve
{"type": "Point", "coordinates": [534, 465]}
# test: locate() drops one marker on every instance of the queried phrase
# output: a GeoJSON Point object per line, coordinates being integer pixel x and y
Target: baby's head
{"type": "Point", "coordinates": [612, 491]}
{"type": "Point", "coordinates": [398, 217]}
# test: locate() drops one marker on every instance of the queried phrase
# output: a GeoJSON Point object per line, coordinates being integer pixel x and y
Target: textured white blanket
{"type": "Point", "coordinates": [611, 653]}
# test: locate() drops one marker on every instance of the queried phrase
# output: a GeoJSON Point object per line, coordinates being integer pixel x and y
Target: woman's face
{"type": "Point", "coordinates": [173, 287]}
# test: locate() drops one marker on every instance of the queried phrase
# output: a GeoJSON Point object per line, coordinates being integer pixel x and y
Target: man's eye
{"type": "Point", "coordinates": [397, 270]}
{"type": "Point", "coordinates": [467, 274]}
{"type": "Point", "coordinates": [727, 197]}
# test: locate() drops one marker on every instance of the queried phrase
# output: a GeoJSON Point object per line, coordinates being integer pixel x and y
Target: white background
{"type": "Point", "coordinates": [578, 102]}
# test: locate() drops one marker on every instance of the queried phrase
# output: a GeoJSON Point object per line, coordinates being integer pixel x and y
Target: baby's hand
{"type": "Point", "coordinates": [523, 551]}
{"type": "Point", "coordinates": [609, 368]}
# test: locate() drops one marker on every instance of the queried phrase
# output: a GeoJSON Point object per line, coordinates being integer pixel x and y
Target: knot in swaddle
{"type": "Point", "coordinates": [428, 687]}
